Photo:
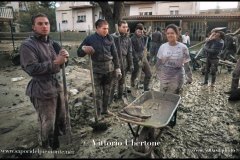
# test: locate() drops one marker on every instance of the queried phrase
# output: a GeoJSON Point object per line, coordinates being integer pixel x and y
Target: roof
{"type": "Point", "coordinates": [190, 16]}
{"type": "Point", "coordinates": [82, 6]}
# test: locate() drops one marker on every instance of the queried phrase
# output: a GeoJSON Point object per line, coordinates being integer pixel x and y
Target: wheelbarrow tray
{"type": "Point", "coordinates": [161, 106]}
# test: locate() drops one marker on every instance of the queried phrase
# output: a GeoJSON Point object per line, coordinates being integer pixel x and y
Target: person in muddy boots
{"type": "Point", "coordinates": [157, 40]}
{"type": "Point", "coordinates": [236, 71]}
{"type": "Point", "coordinates": [105, 63]}
{"type": "Point", "coordinates": [138, 43]}
{"type": "Point", "coordinates": [43, 63]}
{"type": "Point", "coordinates": [124, 48]}
{"type": "Point", "coordinates": [229, 50]}
{"type": "Point", "coordinates": [212, 49]}
{"type": "Point", "coordinates": [171, 58]}
{"type": "Point", "coordinates": [186, 39]}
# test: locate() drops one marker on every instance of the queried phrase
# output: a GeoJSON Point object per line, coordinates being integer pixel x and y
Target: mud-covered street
{"type": "Point", "coordinates": [208, 125]}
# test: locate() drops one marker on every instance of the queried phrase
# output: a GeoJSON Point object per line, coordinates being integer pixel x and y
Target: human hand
{"type": "Point", "coordinates": [88, 49]}
{"type": "Point", "coordinates": [59, 60]}
{"type": "Point", "coordinates": [189, 82]}
{"type": "Point", "coordinates": [64, 53]}
{"type": "Point", "coordinates": [118, 73]}
{"type": "Point", "coordinates": [131, 69]}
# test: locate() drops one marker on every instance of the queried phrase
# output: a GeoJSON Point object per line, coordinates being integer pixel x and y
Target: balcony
{"type": "Point", "coordinates": [6, 13]}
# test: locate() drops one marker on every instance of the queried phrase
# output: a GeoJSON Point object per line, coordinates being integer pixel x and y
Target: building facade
{"type": "Point", "coordinates": [81, 16]}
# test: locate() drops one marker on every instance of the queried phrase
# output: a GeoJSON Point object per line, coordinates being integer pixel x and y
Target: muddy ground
{"type": "Point", "coordinates": [208, 126]}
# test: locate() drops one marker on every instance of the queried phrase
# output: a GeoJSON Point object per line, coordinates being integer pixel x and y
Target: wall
{"type": "Point", "coordinates": [66, 36]}
{"type": "Point", "coordinates": [184, 7]}
{"type": "Point", "coordinates": [83, 26]}
{"type": "Point", "coordinates": [135, 9]}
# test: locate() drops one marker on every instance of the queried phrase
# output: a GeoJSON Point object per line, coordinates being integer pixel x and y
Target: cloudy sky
{"type": "Point", "coordinates": [222, 5]}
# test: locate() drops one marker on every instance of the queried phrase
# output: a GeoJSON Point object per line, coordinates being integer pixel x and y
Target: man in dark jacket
{"type": "Point", "coordinates": [124, 48]}
{"type": "Point", "coordinates": [39, 59]}
{"type": "Point", "coordinates": [157, 40]}
{"type": "Point", "coordinates": [236, 71]}
{"type": "Point", "coordinates": [102, 49]}
{"type": "Point", "coordinates": [212, 49]}
{"type": "Point", "coordinates": [138, 43]}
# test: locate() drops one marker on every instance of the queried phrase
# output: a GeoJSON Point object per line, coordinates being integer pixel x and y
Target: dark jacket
{"type": "Point", "coordinates": [157, 37]}
{"type": "Point", "coordinates": [36, 58]}
{"type": "Point", "coordinates": [124, 50]}
{"type": "Point", "coordinates": [213, 48]}
{"type": "Point", "coordinates": [138, 44]}
{"type": "Point", "coordinates": [105, 58]}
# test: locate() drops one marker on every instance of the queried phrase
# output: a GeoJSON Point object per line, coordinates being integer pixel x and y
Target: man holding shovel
{"type": "Point", "coordinates": [42, 62]}
{"type": "Point", "coordinates": [138, 43]}
{"type": "Point", "coordinates": [124, 48]}
{"type": "Point", "coordinates": [102, 49]}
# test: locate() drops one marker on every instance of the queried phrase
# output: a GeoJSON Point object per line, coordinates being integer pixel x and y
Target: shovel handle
{"type": "Point", "coordinates": [93, 89]}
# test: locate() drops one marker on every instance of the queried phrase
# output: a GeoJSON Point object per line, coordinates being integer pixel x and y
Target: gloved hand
{"type": "Point", "coordinates": [140, 63]}
{"type": "Point", "coordinates": [131, 69]}
{"type": "Point", "coordinates": [118, 73]}
{"type": "Point", "coordinates": [189, 80]}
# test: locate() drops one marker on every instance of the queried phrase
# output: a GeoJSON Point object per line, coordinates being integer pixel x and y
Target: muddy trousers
{"type": "Point", "coordinates": [147, 71]}
{"type": "Point", "coordinates": [153, 52]}
{"type": "Point", "coordinates": [51, 119]}
{"type": "Point", "coordinates": [211, 67]}
{"type": "Point", "coordinates": [102, 84]}
{"type": "Point", "coordinates": [235, 76]}
{"type": "Point", "coordinates": [119, 84]}
{"type": "Point", "coordinates": [174, 88]}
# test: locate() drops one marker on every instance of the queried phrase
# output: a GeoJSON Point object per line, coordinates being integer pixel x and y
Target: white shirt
{"type": "Point", "coordinates": [186, 39]}
{"type": "Point", "coordinates": [173, 56]}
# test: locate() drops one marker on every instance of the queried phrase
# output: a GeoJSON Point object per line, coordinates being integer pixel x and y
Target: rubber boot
{"type": "Point", "coordinates": [114, 84]}
{"type": "Point", "coordinates": [132, 83]}
{"type": "Point", "coordinates": [213, 80]}
{"type": "Point", "coordinates": [205, 79]}
{"type": "Point", "coordinates": [234, 84]}
{"type": "Point", "coordinates": [146, 84]}
{"type": "Point", "coordinates": [54, 143]}
{"type": "Point", "coordinates": [120, 92]}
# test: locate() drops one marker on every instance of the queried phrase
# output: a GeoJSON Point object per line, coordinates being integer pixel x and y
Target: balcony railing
{"type": "Point", "coordinates": [6, 13]}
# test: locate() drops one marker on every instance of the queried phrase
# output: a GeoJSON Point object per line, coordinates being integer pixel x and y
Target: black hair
{"type": "Point", "coordinates": [36, 16]}
{"type": "Point", "coordinates": [158, 29]}
{"type": "Point", "coordinates": [139, 26]}
{"type": "Point", "coordinates": [222, 34]}
{"type": "Point", "coordinates": [174, 27]}
{"type": "Point", "coordinates": [121, 22]}
{"type": "Point", "coordinates": [100, 22]}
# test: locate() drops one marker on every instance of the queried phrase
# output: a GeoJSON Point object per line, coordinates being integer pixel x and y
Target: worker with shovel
{"type": "Point", "coordinates": [124, 48]}
{"type": "Point", "coordinates": [139, 60]}
{"type": "Point", "coordinates": [42, 62]}
{"type": "Point", "coordinates": [105, 63]}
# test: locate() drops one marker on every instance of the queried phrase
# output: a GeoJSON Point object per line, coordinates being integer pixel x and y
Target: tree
{"type": "Point", "coordinates": [112, 15]}
{"type": "Point", "coordinates": [34, 8]}
{"type": "Point", "coordinates": [3, 3]}
{"type": "Point", "coordinates": [47, 4]}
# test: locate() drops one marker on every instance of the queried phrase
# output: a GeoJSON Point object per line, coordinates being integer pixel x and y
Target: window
{"type": "Point", "coordinates": [81, 18]}
{"type": "Point", "coordinates": [145, 11]}
{"type": "Point", "coordinates": [64, 18]}
{"type": "Point", "coordinates": [101, 15]}
{"type": "Point", "coordinates": [174, 10]}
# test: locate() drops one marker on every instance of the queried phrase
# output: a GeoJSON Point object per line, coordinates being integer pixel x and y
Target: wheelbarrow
{"type": "Point", "coordinates": [158, 109]}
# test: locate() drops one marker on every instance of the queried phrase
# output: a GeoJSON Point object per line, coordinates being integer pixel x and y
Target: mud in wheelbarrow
{"type": "Point", "coordinates": [161, 107]}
